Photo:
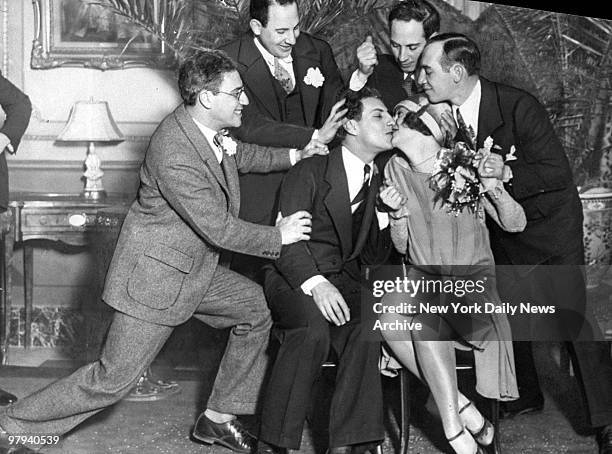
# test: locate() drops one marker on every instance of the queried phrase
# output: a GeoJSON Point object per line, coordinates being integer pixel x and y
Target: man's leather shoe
{"type": "Point", "coordinates": [604, 439]}
{"type": "Point", "coordinates": [267, 448]}
{"type": "Point", "coordinates": [231, 434]}
{"type": "Point", "coordinates": [516, 408]}
{"type": "Point", "coordinates": [6, 398]}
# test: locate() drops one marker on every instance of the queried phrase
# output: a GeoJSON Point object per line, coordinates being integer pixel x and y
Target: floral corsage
{"type": "Point", "coordinates": [455, 176]}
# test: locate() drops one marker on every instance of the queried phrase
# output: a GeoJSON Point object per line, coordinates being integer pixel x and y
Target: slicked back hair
{"type": "Point", "coordinates": [204, 71]}
{"type": "Point", "coordinates": [419, 11]}
{"type": "Point", "coordinates": [259, 9]}
{"type": "Point", "coordinates": [458, 48]}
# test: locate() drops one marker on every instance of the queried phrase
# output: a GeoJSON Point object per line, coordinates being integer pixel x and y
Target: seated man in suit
{"type": "Point", "coordinates": [292, 80]}
{"type": "Point", "coordinates": [313, 289]}
{"type": "Point", "coordinates": [168, 266]}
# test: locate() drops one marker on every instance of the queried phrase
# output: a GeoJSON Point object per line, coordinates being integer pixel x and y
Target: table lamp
{"type": "Point", "coordinates": [91, 121]}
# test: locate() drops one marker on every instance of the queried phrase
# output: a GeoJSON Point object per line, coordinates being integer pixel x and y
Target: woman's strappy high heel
{"type": "Point", "coordinates": [485, 435]}
{"type": "Point", "coordinates": [479, 449]}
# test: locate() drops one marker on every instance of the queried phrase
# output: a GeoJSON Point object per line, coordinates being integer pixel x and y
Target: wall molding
{"type": "Point", "coordinates": [53, 138]}
{"type": "Point", "coordinates": [47, 165]}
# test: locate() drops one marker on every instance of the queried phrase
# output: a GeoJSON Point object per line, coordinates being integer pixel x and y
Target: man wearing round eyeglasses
{"type": "Point", "coordinates": [170, 265]}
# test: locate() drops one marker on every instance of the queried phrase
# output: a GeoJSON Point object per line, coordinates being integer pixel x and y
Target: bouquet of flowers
{"type": "Point", "coordinates": [455, 176]}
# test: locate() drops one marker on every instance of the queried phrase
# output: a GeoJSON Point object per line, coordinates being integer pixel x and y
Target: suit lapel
{"type": "Point", "coordinates": [305, 56]}
{"type": "Point", "coordinates": [367, 215]}
{"type": "Point", "coordinates": [202, 147]}
{"type": "Point", "coordinates": [489, 113]}
{"type": "Point", "coordinates": [257, 75]}
{"type": "Point", "coordinates": [337, 200]}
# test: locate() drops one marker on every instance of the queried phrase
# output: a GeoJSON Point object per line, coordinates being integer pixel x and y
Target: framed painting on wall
{"type": "Point", "coordinates": [86, 33]}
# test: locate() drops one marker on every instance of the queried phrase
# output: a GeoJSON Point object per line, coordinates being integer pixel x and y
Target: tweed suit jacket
{"type": "Point", "coordinates": [542, 179]}
{"type": "Point", "coordinates": [319, 185]}
{"type": "Point", "coordinates": [17, 107]}
{"type": "Point", "coordinates": [185, 215]}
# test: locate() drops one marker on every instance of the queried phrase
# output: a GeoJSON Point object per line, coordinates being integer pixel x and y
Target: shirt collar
{"type": "Point", "coordinates": [354, 166]}
{"type": "Point", "coordinates": [210, 134]}
{"type": "Point", "coordinates": [471, 106]}
{"type": "Point", "coordinates": [268, 57]}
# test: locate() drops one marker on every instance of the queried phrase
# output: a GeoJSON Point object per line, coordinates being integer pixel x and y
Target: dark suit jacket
{"type": "Point", "coordinates": [185, 215]}
{"type": "Point", "coordinates": [17, 107]}
{"type": "Point", "coordinates": [319, 185]}
{"type": "Point", "coordinates": [262, 121]}
{"type": "Point", "coordinates": [388, 79]}
{"type": "Point", "coordinates": [542, 181]}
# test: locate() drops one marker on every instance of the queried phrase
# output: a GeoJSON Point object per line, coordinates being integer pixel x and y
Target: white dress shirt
{"type": "Point", "coordinates": [354, 170]}
{"type": "Point", "coordinates": [470, 107]}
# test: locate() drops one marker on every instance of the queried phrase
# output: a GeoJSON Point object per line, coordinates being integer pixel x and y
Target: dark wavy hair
{"type": "Point", "coordinates": [258, 9]}
{"type": "Point", "coordinates": [419, 11]}
{"type": "Point", "coordinates": [458, 48]}
{"type": "Point", "coordinates": [354, 105]}
{"type": "Point", "coordinates": [204, 71]}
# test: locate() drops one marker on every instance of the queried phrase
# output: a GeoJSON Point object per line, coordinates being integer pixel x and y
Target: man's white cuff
{"type": "Point", "coordinates": [358, 80]}
{"type": "Point", "coordinates": [311, 283]}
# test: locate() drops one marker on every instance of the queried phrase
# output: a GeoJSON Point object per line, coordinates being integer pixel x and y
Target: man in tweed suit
{"type": "Point", "coordinates": [168, 265]}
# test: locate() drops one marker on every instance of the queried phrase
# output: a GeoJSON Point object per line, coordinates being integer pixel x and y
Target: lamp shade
{"type": "Point", "coordinates": [90, 121]}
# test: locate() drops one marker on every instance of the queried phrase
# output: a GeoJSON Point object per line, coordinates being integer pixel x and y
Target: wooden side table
{"type": "Point", "coordinates": [66, 218]}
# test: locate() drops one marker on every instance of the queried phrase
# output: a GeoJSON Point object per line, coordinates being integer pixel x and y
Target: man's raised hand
{"type": "Point", "coordinates": [366, 54]}
{"type": "Point", "coordinates": [295, 227]}
{"type": "Point", "coordinates": [335, 120]}
{"type": "Point", "coordinates": [331, 303]}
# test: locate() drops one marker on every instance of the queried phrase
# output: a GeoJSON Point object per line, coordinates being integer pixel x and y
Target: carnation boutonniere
{"type": "Point", "coordinates": [511, 156]}
{"type": "Point", "coordinates": [314, 77]}
{"type": "Point", "coordinates": [228, 144]}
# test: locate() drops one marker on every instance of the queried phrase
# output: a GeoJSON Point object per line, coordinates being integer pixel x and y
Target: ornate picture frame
{"type": "Point", "coordinates": [79, 33]}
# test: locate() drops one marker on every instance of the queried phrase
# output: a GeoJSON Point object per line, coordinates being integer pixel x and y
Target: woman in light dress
{"type": "Point", "coordinates": [447, 246]}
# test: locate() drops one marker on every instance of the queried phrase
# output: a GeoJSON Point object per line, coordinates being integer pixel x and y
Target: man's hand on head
{"type": "Point", "coordinates": [295, 227]}
{"type": "Point", "coordinates": [330, 302]}
{"type": "Point", "coordinates": [334, 121]}
{"type": "Point", "coordinates": [314, 147]}
{"type": "Point", "coordinates": [366, 54]}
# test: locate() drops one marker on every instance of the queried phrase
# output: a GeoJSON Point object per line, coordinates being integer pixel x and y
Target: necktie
{"type": "Point", "coordinates": [218, 141]}
{"type": "Point", "coordinates": [283, 76]}
{"type": "Point", "coordinates": [361, 195]}
{"type": "Point", "coordinates": [407, 86]}
{"type": "Point", "coordinates": [467, 131]}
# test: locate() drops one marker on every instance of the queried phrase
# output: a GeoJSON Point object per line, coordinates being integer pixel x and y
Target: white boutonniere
{"type": "Point", "coordinates": [314, 77]}
{"type": "Point", "coordinates": [228, 144]}
{"type": "Point", "coordinates": [510, 156]}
